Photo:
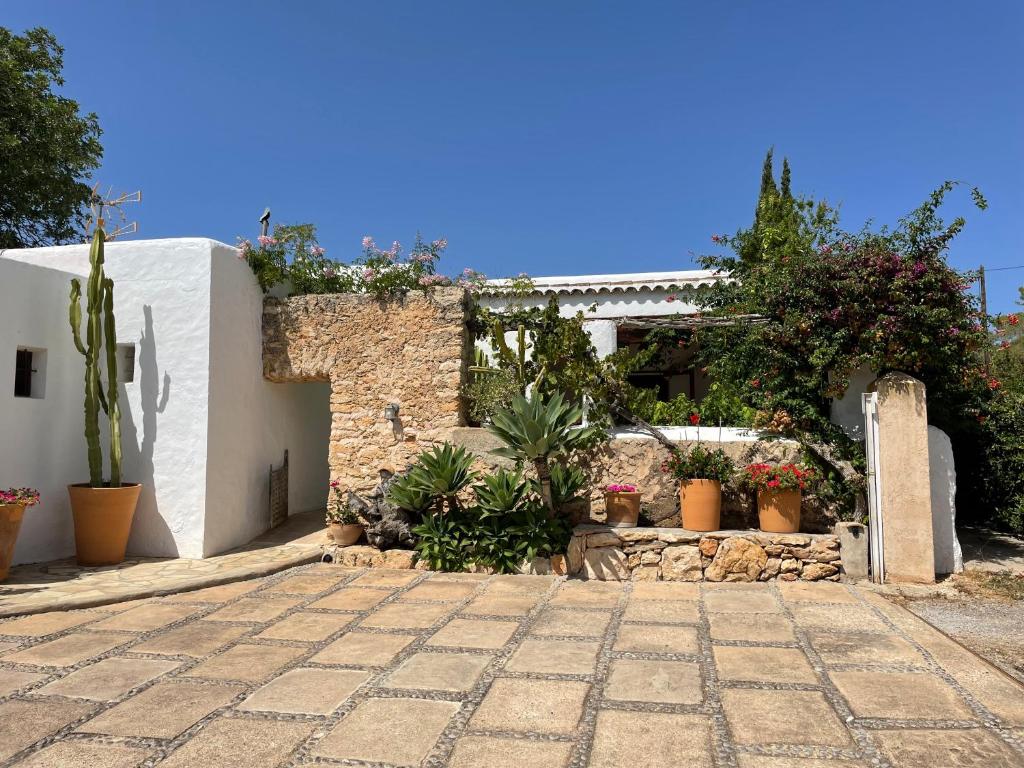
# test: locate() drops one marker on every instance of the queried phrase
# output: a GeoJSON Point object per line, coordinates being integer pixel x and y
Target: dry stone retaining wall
{"type": "Point", "coordinates": [409, 350]}
{"type": "Point", "coordinates": [673, 554]}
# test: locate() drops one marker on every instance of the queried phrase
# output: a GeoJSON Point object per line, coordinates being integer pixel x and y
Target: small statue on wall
{"type": "Point", "coordinates": [388, 526]}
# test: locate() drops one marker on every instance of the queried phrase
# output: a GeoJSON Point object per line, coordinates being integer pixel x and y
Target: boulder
{"type": "Point", "coordinates": [605, 564]}
{"type": "Point", "coordinates": [708, 547]}
{"type": "Point", "coordinates": [681, 563]}
{"type": "Point", "coordinates": [737, 559]}
{"type": "Point", "coordinates": [395, 558]}
{"type": "Point", "coordinates": [603, 539]}
{"type": "Point", "coordinates": [815, 571]}
{"type": "Point", "coordinates": [646, 573]}
{"type": "Point", "coordinates": [772, 568]}
{"type": "Point", "coordinates": [574, 554]}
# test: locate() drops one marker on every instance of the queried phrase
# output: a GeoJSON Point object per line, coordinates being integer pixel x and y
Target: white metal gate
{"type": "Point", "coordinates": [876, 531]}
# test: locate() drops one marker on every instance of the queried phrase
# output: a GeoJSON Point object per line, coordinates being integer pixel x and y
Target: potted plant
{"type": "Point", "coordinates": [344, 524]}
{"type": "Point", "coordinates": [701, 472]}
{"type": "Point", "coordinates": [12, 507]}
{"type": "Point", "coordinates": [779, 488]}
{"type": "Point", "coordinates": [622, 505]}
{"type": "Point", "coordinates": [102, 511]}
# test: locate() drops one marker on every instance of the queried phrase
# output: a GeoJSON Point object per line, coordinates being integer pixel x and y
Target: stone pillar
{"type": "Point", "coordinates": [905, 479]}
{"type": "Point", "coordinates": [853, 546]}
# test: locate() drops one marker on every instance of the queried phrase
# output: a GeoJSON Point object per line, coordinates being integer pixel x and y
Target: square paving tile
{"type": "Point", "coordinates": [487, 752]}
{"type": "Point", "coordinates": [589, 594]}
{"type": "Point", "coordinates": [451, 591]}
{"type": "Point", "coordinates": [251, 663]}
{"type": "Point", "coordinates": [255, 609]}
{"type": "Point", "coordinates": [666, 682]}
{"type": "Point", "coordinates": [109, 679]}
{"type": "Point", "coordinates": [816, 592]}
{"type": "Point", "coordinates": [574, 623]}
{"type": "Point", "coordinates": [240, 743]}
{"type": "Point", "coordinates": [407, 615]}
{"type": "Point", "coordinates": [661, 612]}
{"type": "Point", "coordinates": [836, 616]}
{"type": "Point", "coordinates": [901, 695]}
{"type": "Point", "coordinates": [197, 638]}
{"type": "Point", "coordinates": [757, 627]}
{"type": "Point", "coordinates": [67, 650]}
{"type": "Point", "coordinates": [974, 748]}
{"type": "Point", "coordinates": [385, 577]}
{"type": "Point", "coordinates": [218, 594]}
{"type": "Point", "coordinates": [468, 633]}
{"type": "Point", "coordinates": [145, 618]}
{"type": "Point", "coordinates": [439, 672]}
{"type": "Point", "coordinates": [85, 754]}
{"type": "Point", "coordinates": [501, 604]}
{"type": "Point", "coordinates": [651, 740]}
{"type": "Point", "coordinates": [306, 626]}
{"type": "Point", "coordinates": [765, 761]}
{"type": "Point", "coordinates": [782, 717]}
{"type": "Point", "coordinates": [351, 599]}
{"type": "Point", "coordinates": [363, 649]}
{"type": "Point", "coordinates": [311, 582]}
{"type": "Point", "coordinates": [306, 691]}
{"type": "Point", "coordinates": [42, 624]}
{"type": "Point", "coordinates": [162, 711]}
{"type": "Point", "coordinates": [519, 584]}
{"type": "Point", "coordinates": [665, 590]}
{"type": "Point", "coordinates": [25, 722]}
{"type": "Point", "coordinates": [863, 648]}
{"type": "Point", "coordinates": [560, 657]}
{"type": "Point", "coordinates": [740, 601]}
{"type": "Point", "coordinates": [641, 638]}
{"type": "Point", "coordinates": [13, 680]}
{"type": "Point", "coordinates": [763, 665]}
{"type": "Point", "coordinates": [369, 731]}
{"type": "Point", "coordinates": [534, 706]}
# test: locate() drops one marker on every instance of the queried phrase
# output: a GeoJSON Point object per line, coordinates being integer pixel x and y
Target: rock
{"type": "Point", "coordinates": [603, 539]}
{"type": "Point", "coordinates": [708, 547]}
{"type": "Point", "coordinates": [788, 577]}
{"type": "Point", "coordinates": [605, 564]}
{"type": "Point", "coordinates": [638, 534]}
{"type": "Point", "coordinates": [356, 556]}
{"type": "Point", "coordinates": [395, 558]}
{"type": "Point", "coordinates": [574, 554]}
{"type": "Point", "coordinates": [772, 568]}
{"type": "Point", "coordinates": [815, 571]}
{"type": "Point", "coordinates": [677, 536]}
{"type": "Point", "coordinates": [681, 563]}
{"type": "Point", "coordinates": [650, 558]}
{"type": "Point", "coordinates": [645, 547]}
{"type": "Point", "coordinates": [774, 550]}
{"type": "Point", "coordinates": [633, 560]}
{"type": "Point", "coordinates": [789, 565]}
{"type": "Point", "coordinates": [646, 573]}
{"type": "Point", "coordinates": [539, 566]}
{"type": "Point", "coordinates": [558, 565]}
{"type": "Point", "coordinates": [422, 565]}
{"type": "Point", "coordinates": [737, 559]}
{"type": "Point", "coordinates": [791, 540]}
{"type": "Point", "coordinates": [819, 550]}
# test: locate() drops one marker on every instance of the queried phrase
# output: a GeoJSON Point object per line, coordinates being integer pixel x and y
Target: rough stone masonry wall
{"type": "Point", "coordinates": [409, 350]}
{"type": "Point", "coordinates": [672, 554]}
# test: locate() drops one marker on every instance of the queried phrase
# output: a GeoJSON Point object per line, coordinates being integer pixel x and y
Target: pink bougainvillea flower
{"type": "Point", "coordinates": [266, 240]}
{"type": "Point", "coordinates": [316, 250]}
{"type": "Point", "coordinates": [671, 297]}
{"type": "Point", "coordinates": [620, 488]}
{"type": "Point", "coordinates": [369, 274]}
{"type": "Point", "coordinates": [368, 242]}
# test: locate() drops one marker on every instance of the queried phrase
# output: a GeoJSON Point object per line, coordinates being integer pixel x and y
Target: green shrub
{"type": "Point", "coordinates": [1002, 462]}
{"type": "Point", "coordinates": [490, 392]}
{"type": "Point", "coordinates": [700, 463]}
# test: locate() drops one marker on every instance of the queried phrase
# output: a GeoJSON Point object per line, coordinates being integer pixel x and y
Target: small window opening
{"type": "Point", "coordinates": [30, 373]}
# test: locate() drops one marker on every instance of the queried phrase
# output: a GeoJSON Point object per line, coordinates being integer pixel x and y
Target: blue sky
{"type": "Point", "coordinates": [548, 137]}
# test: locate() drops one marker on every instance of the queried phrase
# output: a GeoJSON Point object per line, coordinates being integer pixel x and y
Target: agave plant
{"type": "Point", "coordinates": [501, 492]}
{"type": "Point", "coordinates": [567, 481]}
{"type": "Point", "coordinates": [405, 494]}
{"type": "Point", "coordinates": [536, 429]}
{"type": "Point", "coordinates": [441, 472]}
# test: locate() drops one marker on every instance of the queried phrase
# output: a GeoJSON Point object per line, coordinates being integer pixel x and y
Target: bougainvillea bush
{"type": "Point", "coordinates": [26, 497]}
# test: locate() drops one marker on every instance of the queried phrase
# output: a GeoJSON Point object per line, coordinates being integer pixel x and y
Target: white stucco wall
{"type": "Point", "coordinates": [200, 425]}
{"type": "Point", "coordinates": [942, 470]}
{"type": "Point", "coordinates": [846, 411]}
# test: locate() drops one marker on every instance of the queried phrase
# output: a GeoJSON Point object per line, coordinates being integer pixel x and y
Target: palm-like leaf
{"type": "Point", "coordinates": [405, 494]}
{"type": "Point", "coordinates": [501, 492]}
{"type": "Point", "coordinates": [444, 470]}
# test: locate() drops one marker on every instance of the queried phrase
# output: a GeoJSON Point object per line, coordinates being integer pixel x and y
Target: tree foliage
{"type": "Point", "coordinates": [47, 147]}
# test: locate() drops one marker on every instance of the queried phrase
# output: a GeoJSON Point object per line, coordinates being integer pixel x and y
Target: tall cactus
{"type": "Point", "coordinates": [100, 332]}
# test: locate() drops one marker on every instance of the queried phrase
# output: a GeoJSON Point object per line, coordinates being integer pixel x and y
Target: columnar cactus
{"type": "Point", "coordinates": [100, 332]}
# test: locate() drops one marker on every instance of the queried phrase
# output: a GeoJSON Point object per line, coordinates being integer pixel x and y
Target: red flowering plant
{"type": "Point", "coordinates": [699, 463]}
{"type": "Point", "coordinates": [25, 497]}
{"type": "Point", "coordinates": [777, 477]}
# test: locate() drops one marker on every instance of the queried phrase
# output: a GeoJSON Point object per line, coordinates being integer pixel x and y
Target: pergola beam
{"type": "Point", "coordinates": [687, 322]}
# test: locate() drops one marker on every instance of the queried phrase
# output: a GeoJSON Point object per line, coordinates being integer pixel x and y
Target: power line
{"type": "Point", "coordinates": [1002, 269]}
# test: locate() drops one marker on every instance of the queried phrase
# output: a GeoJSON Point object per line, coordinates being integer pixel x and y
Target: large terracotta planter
{"type": "Point", "coordinates": [779, 511]}
{"type": "Point", "coordinates": [577, 511]}
{"type": "Point", "coordinates": [623, 509]}
{"type": "Point", "coordinates": [103, 520]}
{"type": "Point", "coordinates": [345, 534]}
{"type": "Point", "coordinates": [700, 502]}
{"type": "Point", "coordinates": [10, 523]}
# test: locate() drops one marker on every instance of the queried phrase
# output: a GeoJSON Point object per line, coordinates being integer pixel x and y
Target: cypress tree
{"type": "Point", "coordinates": [784, 182]}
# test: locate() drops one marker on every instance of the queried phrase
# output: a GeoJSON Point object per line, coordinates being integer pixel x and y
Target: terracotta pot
{"type": "Point", "coordinates": [103, 520]}
{"type": "Point", "coordinates": [577, 511]}
{"type": "Point", "coordinates": [10, 523]}
{"type": "Point", "coordinates": [701, 504]}
{"type": "Point", "coordinates": [779, 511]}
{"type": "Point", "coordinates": [345, 534]}
{"type": "Point", "coordinates": [623, 509]}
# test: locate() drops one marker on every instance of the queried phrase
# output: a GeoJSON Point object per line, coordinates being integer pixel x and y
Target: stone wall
{"type": "Point", "coordinates": [410, 351]}
{"type": "Point", "coordinates": [673, 554]}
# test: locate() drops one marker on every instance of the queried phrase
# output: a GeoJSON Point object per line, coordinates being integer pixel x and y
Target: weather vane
{"type": "Point", "coordinates": [98, 202]}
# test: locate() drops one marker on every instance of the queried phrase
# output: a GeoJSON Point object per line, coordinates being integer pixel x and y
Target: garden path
{"type": "Point", "coordinates": [324, 665]}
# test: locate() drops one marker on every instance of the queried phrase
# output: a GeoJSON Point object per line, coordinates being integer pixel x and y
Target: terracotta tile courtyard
{"type": "Point", "coordinates": [322, 665]}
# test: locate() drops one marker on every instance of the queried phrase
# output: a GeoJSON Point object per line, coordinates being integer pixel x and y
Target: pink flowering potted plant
{"type": "Point", "coordinates": [622, 505]}
{"type": "Point", "coordinates": [12, 507]}
{"type": "Point", "coordinates": [345, 526]}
